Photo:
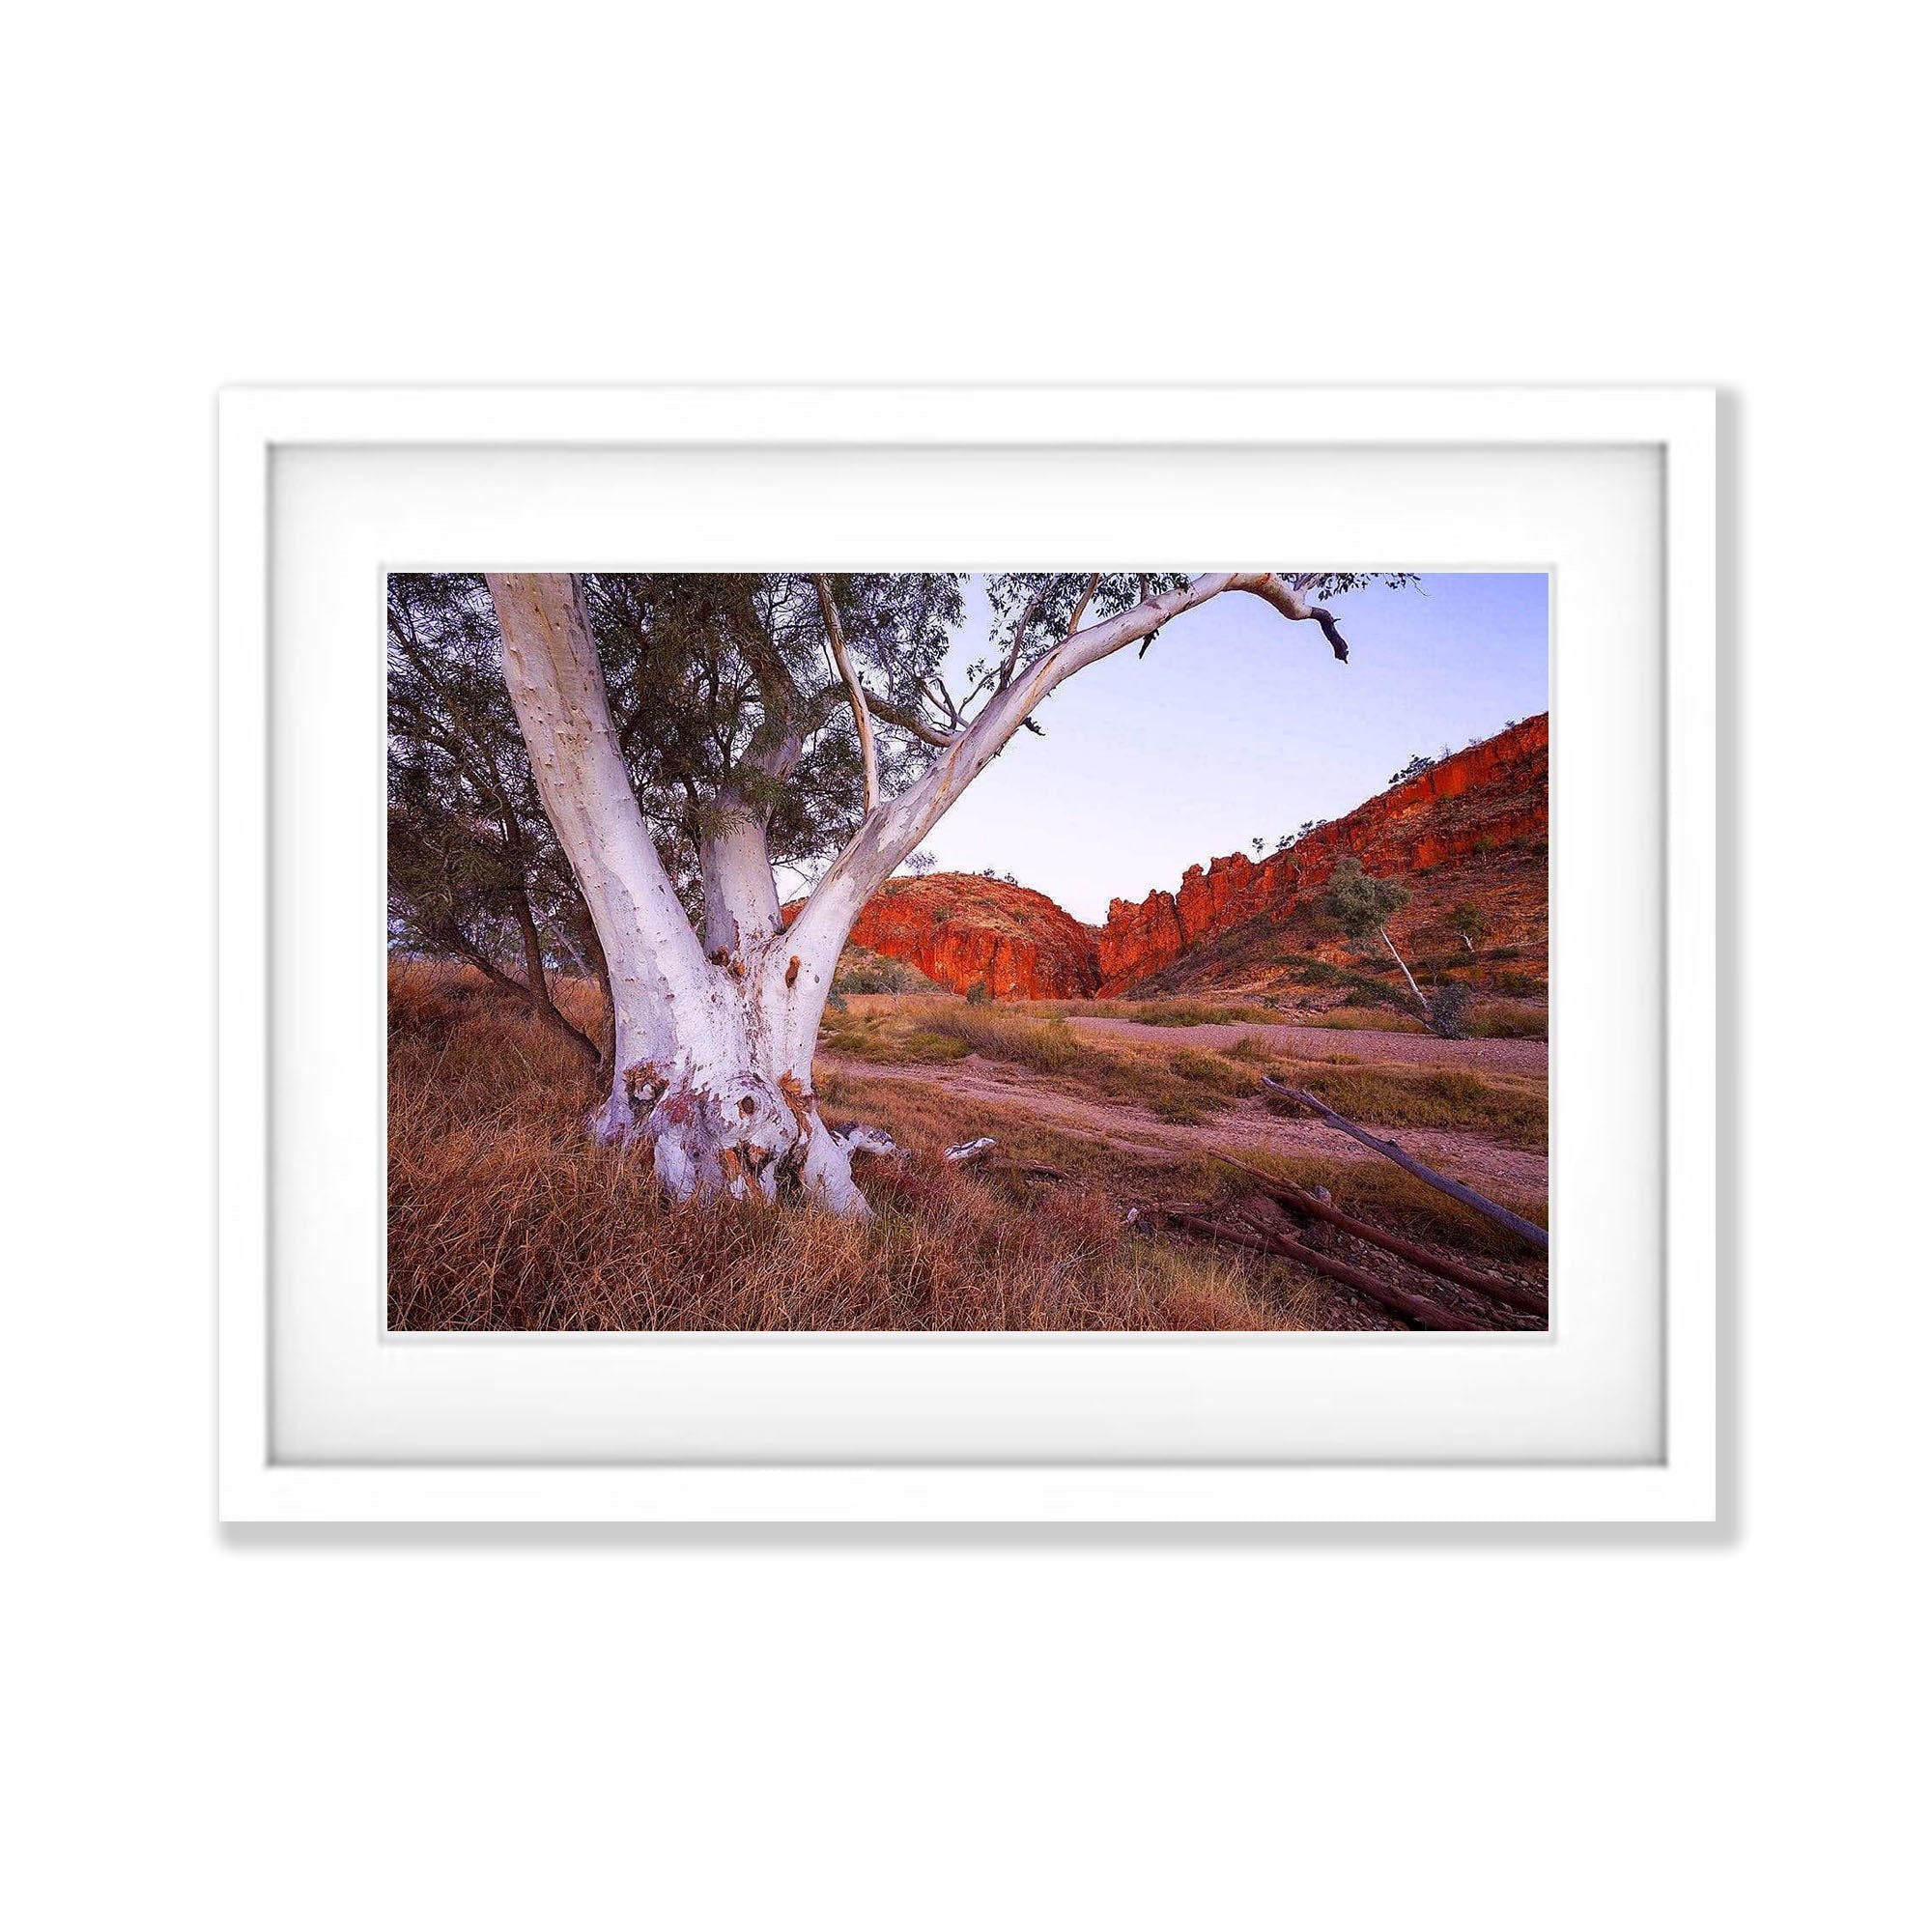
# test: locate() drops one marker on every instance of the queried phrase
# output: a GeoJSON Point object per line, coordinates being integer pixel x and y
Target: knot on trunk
{"type": "Point", "coordinates": [643, 1082]}
{"type": "Point", "coordinates": [710, 1130]}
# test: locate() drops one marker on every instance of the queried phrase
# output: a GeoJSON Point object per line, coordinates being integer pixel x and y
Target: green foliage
{"type": "Point", "coordinates": [1519, 983]}
{"type": "Point", "coordinates": [1044, 603]}
{"type": "Point", "coordinates": [1362, 904]}
{"type": "Point", "coordinates": [472, 855]}
{"type": "Point", "coordinates": [1449, 1010]}
{"type": "Point", "coordinates": [1366, 992]}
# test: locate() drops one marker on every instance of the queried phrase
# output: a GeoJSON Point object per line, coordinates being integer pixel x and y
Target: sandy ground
{"type": "Point", "coordinates": [1314, 1043]}
{"type": "Point", "coordinates": [1469, 1157]}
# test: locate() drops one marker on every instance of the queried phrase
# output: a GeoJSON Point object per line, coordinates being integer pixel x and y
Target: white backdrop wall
{"type": "Point", "coordinates": [423, 1729]}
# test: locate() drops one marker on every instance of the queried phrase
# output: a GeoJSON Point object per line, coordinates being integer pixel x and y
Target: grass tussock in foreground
{"type": "Point", "coordinates": [502, 1215]}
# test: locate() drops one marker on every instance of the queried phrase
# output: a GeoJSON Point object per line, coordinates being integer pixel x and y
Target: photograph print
{"type": "Point", "coordinates": [1075, 950]}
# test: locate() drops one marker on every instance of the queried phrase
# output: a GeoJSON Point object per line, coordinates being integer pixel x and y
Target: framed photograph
{"type": "Point", "coordinates": [833, 954]}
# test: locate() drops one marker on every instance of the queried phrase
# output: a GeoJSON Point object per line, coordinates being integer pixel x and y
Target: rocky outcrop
{"type": "Point", "coordinates": [962, 930]}
{"type": "Point", "coordinates": [1475, 802]}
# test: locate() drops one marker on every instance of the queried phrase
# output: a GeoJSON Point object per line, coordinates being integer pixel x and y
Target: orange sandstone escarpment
{"type": "Point", "coordinates": [963, 930]}
{"type": "Point", "coordinates": [1474, 802]}
{"type": "Point", "coordinates": [1463, 832]}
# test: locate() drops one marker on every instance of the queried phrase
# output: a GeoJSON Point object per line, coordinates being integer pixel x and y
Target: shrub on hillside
{"type": "Point", "coordinates": [1449, 1010]}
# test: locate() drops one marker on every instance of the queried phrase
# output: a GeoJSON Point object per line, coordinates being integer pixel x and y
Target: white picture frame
{"type": "Point", "coordinates": [1673, 429]}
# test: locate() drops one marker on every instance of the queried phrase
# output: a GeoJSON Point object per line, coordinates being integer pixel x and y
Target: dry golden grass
{"type": "Point", "coordinates": [1509, 1107]}
{"type": "Point", "coordinates": [1496, 1019]}
{"type": "Point", "coordinates": [1187, 1085]}
{"type": "Point", "coordinates": [1376, 1192]}
{"type": "Point", "coordinates": [1172, 1013]}
{"type": "Point", "coordinates": [1363, 1019]}
{"type": "Point", "coordinates": [1182, 1087]}
{"type": "Point", "coordinates": [502, 1215]}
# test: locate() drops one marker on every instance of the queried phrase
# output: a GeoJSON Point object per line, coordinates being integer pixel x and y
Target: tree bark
{"type": "Point", "coordinates": [741, 897]}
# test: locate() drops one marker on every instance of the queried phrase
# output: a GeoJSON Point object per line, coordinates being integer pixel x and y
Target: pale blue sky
{"type": "Point", "coordinates": [1238, 724]}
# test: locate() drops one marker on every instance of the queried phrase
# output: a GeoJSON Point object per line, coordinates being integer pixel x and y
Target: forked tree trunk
{"type": "Point", "coordinates": [712, 1068]}
{"type": "Point", "coordinates": [712, 1065]}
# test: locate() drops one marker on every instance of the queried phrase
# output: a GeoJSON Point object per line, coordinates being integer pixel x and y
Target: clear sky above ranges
{"type": "Point", "coordinates": [1237, 724]}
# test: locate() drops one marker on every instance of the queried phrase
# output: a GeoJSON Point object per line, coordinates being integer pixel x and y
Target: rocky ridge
{"type": "Point", "coordinates": [1471, 830]}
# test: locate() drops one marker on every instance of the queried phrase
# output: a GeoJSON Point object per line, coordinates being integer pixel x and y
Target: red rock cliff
{"type": "Point", "coordinates": [1490, 795]}
{"type": "Point", "coordinates": [962, 930]}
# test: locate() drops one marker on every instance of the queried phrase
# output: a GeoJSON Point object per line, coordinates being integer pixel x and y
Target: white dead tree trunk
{"type": "Point", "coordinates": [713, 1041]}
{"type": "Point", "coordinates": [1406, 973]}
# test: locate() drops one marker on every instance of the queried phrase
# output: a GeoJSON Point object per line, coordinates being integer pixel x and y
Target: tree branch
{"type": "Point", "coordinates": [908, 720]}
{"type": "Point", "coordinates": [539, 1003]}
{"type": "Point", "coordinates": [1274, 588]}
{"type": "Point", "coordinates": [1528, 1230]}
{"type": "Point", "coordinates": [888, 836]}
{"type": "Point", "coordinates": [936, 691]}
{"type": "Point", "coordinates": [1080, 608]}
{"type": "Point", "coordinates": [862, 716]}
{"type": "Point", "coordinates": [1012, 656]}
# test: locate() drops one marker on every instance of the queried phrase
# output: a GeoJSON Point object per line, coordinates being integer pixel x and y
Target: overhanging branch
{"type": "Point", "coordinates": [891, 832]}
{"type": "Point", "coordinates": [1274, 588]}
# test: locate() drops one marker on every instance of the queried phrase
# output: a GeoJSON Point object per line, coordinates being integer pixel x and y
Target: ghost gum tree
{"type": "Point", "coordinates": [687, 734]}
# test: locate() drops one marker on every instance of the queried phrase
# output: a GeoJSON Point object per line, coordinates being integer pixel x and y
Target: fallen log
{"type": "Point", "coordinates": [1389, 1151]}
{"type": "Point", "coordinates": [970, 1151]}
{"type": "Point", "coordinates": [1524, 1300]}
{"type": "Point", "coordinates": [1416, 1308]}
{"type": "Point", "coordinates": [1138, 1215]}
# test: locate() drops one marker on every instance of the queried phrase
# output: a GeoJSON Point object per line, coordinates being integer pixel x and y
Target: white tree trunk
{"type": "Point", "coordinates": [713, 1060]}
{"type": "Point", "coordinates": [1406, 973]}
{"type": "Point", "coordinates": [741, 897]}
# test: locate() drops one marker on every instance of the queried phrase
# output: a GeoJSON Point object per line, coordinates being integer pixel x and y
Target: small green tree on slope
{"type": "Point", "coordinates": [1365, 905]}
